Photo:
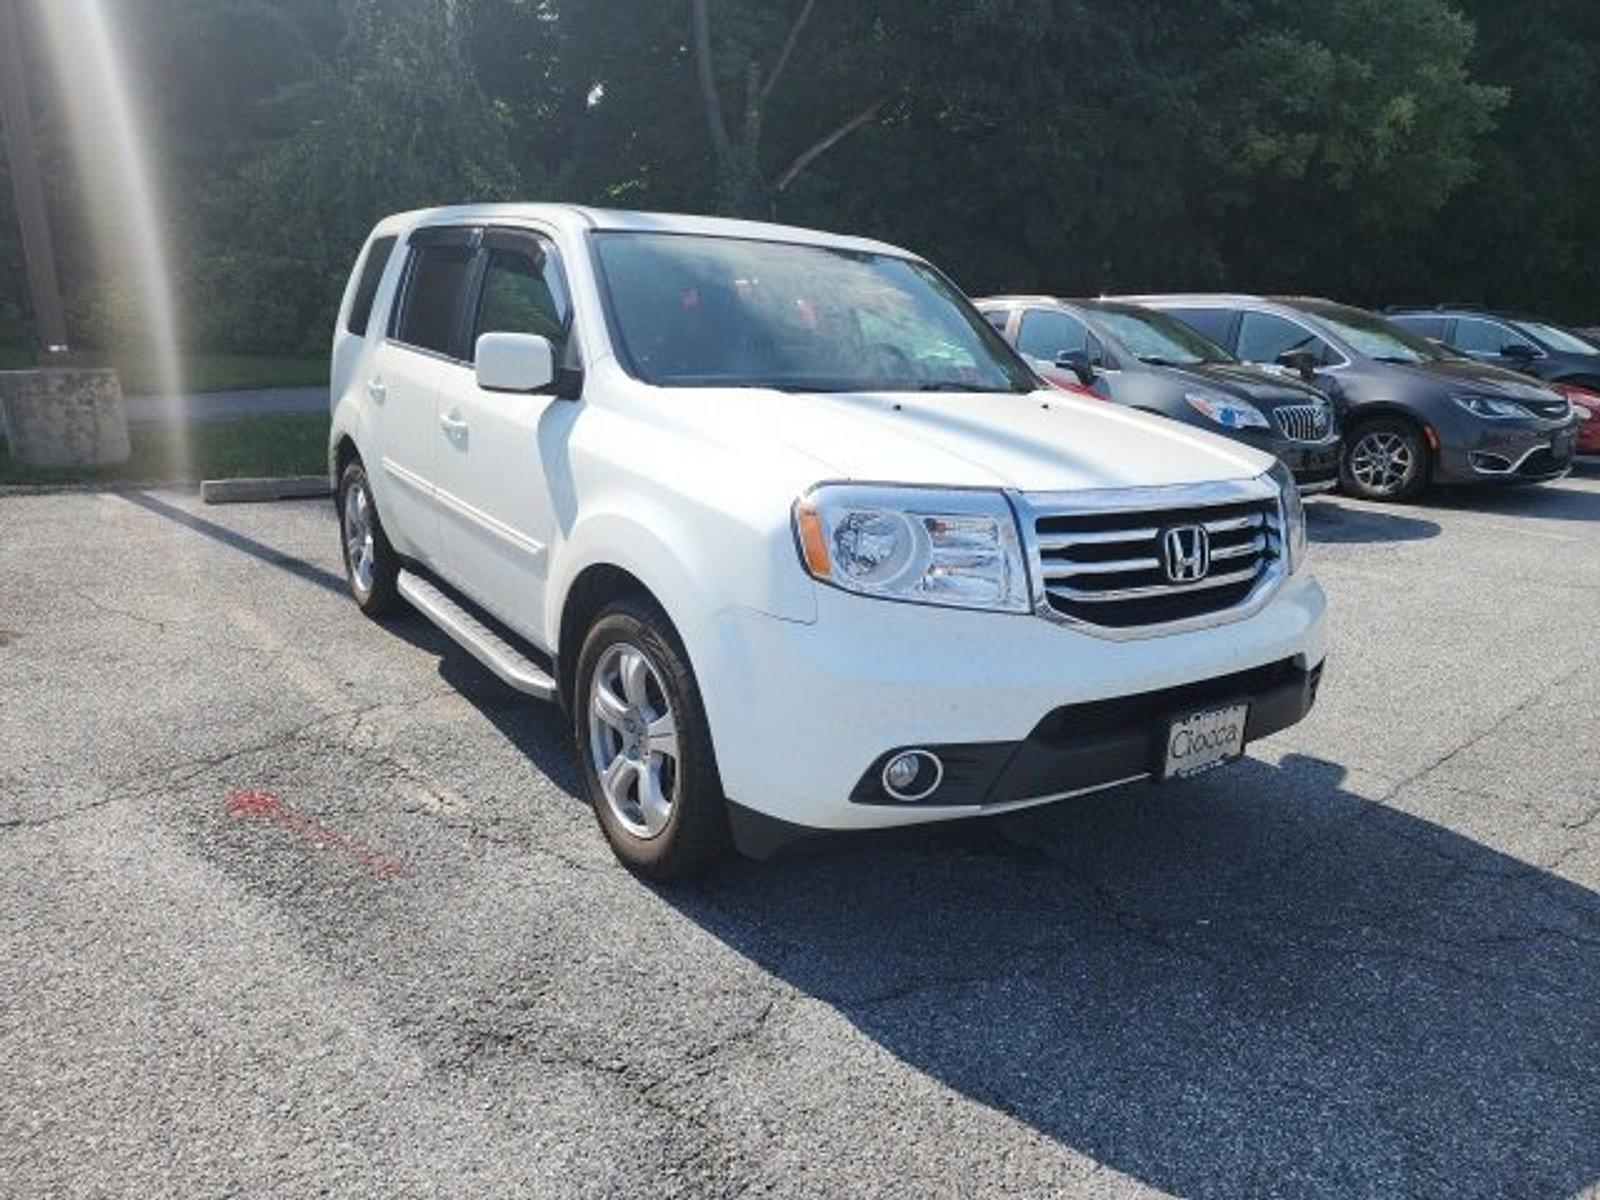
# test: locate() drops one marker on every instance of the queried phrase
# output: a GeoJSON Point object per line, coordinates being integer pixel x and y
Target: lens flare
{"type": "Point", "coordinates": [113, 166]}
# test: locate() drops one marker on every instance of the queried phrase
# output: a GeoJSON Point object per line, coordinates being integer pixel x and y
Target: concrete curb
{"type": "Point", "coordinates": [251, 491]}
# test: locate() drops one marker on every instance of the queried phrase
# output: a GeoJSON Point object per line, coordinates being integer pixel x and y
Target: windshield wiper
{"type": "Point", "coordinates": [955, 385]}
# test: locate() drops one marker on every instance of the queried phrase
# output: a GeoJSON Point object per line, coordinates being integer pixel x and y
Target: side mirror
{"type": "Point", "coordinates": [515, 362]}
{"type": "Point", "coordinates": [1303, 361]}
{"type": "Point", "coordinates": [1077, 361]}
{"type": "Point", "coordinates": [1520, 351]}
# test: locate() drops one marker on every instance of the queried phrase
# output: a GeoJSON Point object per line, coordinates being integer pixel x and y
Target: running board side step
{"type": "Point", "coordinates": [507, 662]}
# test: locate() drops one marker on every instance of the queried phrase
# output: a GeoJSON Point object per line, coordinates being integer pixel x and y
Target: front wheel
{"type": "Point", "coordinates": [645, 747]}
{"type": "Point", "coordinates": [1384, 459]}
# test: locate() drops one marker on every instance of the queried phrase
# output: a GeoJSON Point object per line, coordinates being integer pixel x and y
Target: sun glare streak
{"type": "Point", "coordinates": [113, 164]}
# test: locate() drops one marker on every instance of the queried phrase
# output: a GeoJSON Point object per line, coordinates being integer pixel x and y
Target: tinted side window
{"type": "Point", "coordinates": [1478, 336]}
{"type": "Point", "coordinates": [524, 291]}
{"type": "Point", "coordinates": [998, 318]}
{"type": "Point", "coordinates": [1213, 322]}
{"type": "Point", "coordinates": [431, 316]}
{"type": "Point", "coordinates": [1263, 338]}
{"type": "Point", "coordinates": [1428, 327]}
{"type": "Point", "coordinates": [1047, 334]}
{"type": "Point", "coordinates": [367, 290]}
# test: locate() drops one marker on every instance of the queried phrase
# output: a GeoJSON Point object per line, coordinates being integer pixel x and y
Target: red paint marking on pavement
{"type": "Point", "coordinates": [264, 806]}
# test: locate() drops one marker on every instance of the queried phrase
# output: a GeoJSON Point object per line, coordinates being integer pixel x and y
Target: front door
{"type": "Point", "coordinates": [497, 450]}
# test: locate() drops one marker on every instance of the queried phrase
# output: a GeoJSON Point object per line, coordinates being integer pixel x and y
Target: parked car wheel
{"type": "Point", "coordinates": [645, 746]}
{"type": "Point", "coordinates": [371, 567]}
{"type": "Point", "coordinates": [1384, 459]}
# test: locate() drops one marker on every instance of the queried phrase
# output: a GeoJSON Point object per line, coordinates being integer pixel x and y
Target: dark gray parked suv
{"type": "Point", "coordinates": [1412, 411]}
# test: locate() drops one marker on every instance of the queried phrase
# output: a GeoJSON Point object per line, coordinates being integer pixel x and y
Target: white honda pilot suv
{"type": "Point", "coordinates": [792, 534]}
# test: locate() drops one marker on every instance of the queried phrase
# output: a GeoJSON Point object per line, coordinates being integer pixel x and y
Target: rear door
{"type": "Point", "coordinates": [425, 336]}
{"type": "Point", "coordinates": [497, 510]}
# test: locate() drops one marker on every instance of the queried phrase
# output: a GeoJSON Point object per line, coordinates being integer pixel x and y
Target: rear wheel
{"type": "Point", "coordinates": [371, 567]}
{"type": "Point", "coordinates": [1384, 459]}
{"type": "Point", "coordinates": [645, 747]}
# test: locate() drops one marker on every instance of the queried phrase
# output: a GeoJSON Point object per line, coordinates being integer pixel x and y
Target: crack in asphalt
{"type": "Point", "coordinates": [113, 610]}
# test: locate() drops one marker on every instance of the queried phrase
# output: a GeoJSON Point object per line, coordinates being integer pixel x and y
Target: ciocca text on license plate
{"type": "Point", "coordinates": [1203, 740]}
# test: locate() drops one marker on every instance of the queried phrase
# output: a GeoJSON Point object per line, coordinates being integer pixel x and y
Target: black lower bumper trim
{"type": "Point", "coordinates": [1079, 747]}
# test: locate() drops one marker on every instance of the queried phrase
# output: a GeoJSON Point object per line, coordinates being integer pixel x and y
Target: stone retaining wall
{"type": "Point", "coordinates": [64, 416]}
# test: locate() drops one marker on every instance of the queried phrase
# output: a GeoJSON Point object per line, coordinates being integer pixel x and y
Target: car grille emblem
{"type": "Point", "coordinates": [1186, 553]}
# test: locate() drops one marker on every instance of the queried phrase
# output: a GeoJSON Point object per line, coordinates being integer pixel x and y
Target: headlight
{"type": "Point", "coordinates": [1492, 408]}
{"type": "Point", "coordinates": [1226, 411]}
{"type": "Point", "coordinates": [927, 545]}
{"type": "Point", "coordinates": [1294, 517]}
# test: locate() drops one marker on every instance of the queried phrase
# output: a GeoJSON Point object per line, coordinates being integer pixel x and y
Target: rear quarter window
{"type": "Point", "coordinates": [372, 268]}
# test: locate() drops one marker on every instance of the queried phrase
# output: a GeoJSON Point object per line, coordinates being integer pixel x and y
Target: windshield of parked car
{"type": "Point", "coordinates": [1155, 338]}
{"type": "Point", "coordinates": [1554, 338]}
{"type": "Point", "coordinates": [694, 311]}
{"type": "Point", "coordinates": [1373, 336]}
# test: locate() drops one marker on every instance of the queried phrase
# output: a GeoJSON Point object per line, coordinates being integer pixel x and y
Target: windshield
{"type": "Point", "coordinates": [692, 311]}
{"type": "Point", "coordinates": [1557, 339]}
{"type": "Point", "coordinates": [1154, 337]}
{"type": "Point", "coordinates": [1371, 335]}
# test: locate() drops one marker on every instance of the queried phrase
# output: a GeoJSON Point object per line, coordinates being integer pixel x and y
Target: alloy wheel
{"type": "Point", "coordinates": [360, 551]}
{"type": "Point", "coordinates": [633, 740]}
{"type": "Point", "coordinates": [1381, 460]}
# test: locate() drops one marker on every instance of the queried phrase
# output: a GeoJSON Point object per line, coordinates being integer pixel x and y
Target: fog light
{"type": "Point", "coordinates": [912, 774]}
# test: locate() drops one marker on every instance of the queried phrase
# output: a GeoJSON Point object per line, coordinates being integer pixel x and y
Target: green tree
{"type": "Point", "coordinates": [395, 120]}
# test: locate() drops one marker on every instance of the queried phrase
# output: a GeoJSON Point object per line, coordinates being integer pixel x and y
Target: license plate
{"type": "Point", "coordinates": [1203, 740]}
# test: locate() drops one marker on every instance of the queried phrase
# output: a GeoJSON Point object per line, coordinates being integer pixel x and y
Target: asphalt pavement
{"type": "Point", "coordinates": [293, 903]}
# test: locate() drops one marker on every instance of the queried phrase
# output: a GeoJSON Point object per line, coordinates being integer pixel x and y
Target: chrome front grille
{"type": "Point", "coordinates": [1112, 568]}
{"type": "Point", "coordinates": [1304, 422]}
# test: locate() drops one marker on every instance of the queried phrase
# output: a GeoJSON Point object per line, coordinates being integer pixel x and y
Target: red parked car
{"type": "Point", "coordinates": [1586, 405]}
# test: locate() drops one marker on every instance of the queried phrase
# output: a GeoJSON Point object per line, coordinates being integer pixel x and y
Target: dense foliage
{"type": "Point", "coordinates": [1375, 150]}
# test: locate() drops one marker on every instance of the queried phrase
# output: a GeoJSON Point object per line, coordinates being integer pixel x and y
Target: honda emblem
{"type": "Point", "coordinates": [1186, 553]}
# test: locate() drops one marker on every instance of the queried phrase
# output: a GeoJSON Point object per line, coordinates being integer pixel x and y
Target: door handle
{"type": "Point", "coordinates": [377, 389]}
{"type": "Point", "coordinates": [453, 425]}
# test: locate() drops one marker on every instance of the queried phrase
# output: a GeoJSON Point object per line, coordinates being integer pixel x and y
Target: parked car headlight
{"type": "Point", "coordinates": [1226, 411]}
{"type": "Point", "coordinates": [946, 546]}
{"type": "Point", "coordinates": [1294, 517]}
{"type": "Point", "coordinates": [1492, 408]}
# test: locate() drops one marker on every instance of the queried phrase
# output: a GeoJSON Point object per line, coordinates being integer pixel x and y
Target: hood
{"type": "Point", "coordinates": [1043, 441]}
{"type": "Point", "coordinates": [1264, 387]}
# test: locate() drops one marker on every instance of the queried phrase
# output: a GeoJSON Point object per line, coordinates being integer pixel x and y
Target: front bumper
{"type": "Point", "coordinates": [1315, 465]}
{"type": "Point", "coordinates": [801, 713]}
{"type": "Point", "coordinates": [1479, 451]}
{"type": "Point", "coordinates": [1082, 748]}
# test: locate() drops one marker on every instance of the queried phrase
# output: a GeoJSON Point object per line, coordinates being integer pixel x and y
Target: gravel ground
{"type": "Point", "coordinates": [292, 904]}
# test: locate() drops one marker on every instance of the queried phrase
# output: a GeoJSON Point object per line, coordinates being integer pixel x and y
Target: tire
{"type": "Point", "coordinates": [1384, 459]}
{"type": "Point", "coordinates": [658, 798]}
{"type": "Point", "coordinates": [371, 567]}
